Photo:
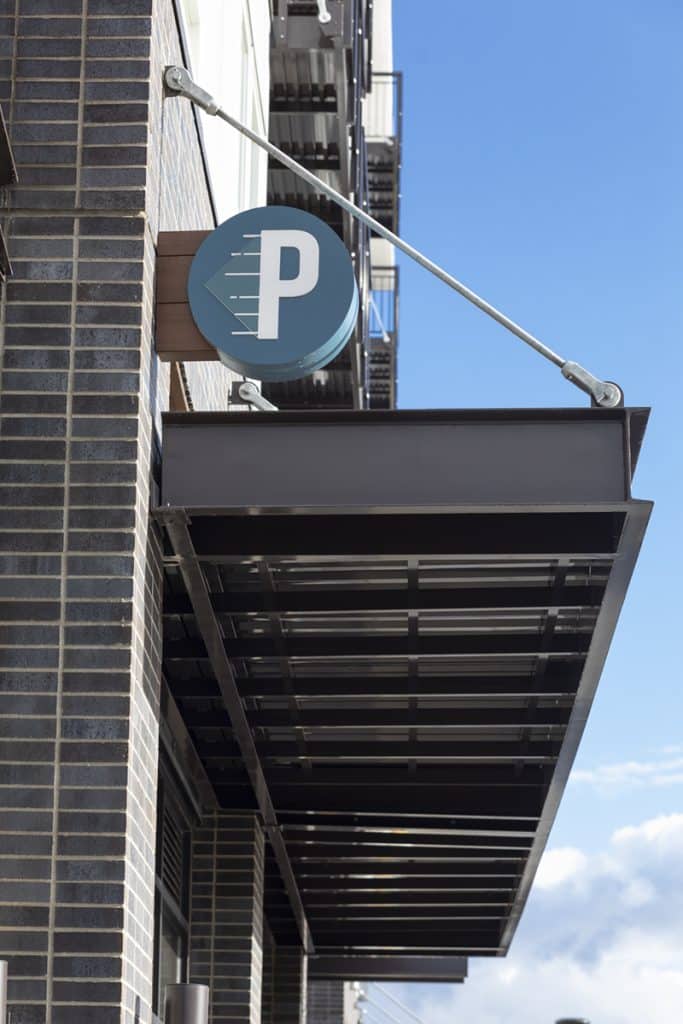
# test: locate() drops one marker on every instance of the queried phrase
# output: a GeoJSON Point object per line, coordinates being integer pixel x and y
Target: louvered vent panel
{"type": "Point", "coordinates": [172, 855]}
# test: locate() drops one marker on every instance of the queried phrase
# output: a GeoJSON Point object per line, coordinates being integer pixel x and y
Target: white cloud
{"type": "Point", "coordinates": [559, 865]}
{"type": "Point", "coordinates": [666, 770]}
{"type": "Point", "coordinates": [600, 939]}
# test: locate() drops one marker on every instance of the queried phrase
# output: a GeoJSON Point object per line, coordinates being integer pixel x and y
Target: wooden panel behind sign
{"type": "Point", "coordinates": [176, 335]}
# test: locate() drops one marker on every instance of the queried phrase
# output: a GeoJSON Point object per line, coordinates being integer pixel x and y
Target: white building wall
{"type": "Point", "coordinates": [229, 43]}
{"type": "Point", "coordinates": [229, 47]}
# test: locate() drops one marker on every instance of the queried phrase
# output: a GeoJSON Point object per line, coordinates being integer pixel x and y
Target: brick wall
{"type": "Point", "coordinates": [290, 985]}
{"type": "Point", "coordinates": [226, 916]}
{"type": "Point", "coordinates": [325, 1002]}
{"type": "Point", "coordinates": [103, 164]}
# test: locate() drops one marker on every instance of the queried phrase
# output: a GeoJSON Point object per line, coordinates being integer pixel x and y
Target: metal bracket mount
{"type": "Point", "coordinates": [247, 392]}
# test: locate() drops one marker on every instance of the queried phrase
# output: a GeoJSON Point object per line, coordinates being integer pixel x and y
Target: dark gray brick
{"type": "Point", "coordinates": [112, 227]}
{"type": "Point", "coordinates": [25, 990]}
{"type": "Point", "coordinates": [23, 942]}
{"type": "Point", "coordinates": [36, 798]}
{"type": "Point", "coordinates": [43, 270]}
{"type": "Point", "coordinates": [57, 7]}
{"type": "Point", "coordinates": [92, 775]}
{"type": "Point", "coordinates": [27, 404]}
{"type": "Point", "coordinates": [32, 473]}
{"type": "Point", "coordinates": [95, 636]}
{"type": "Point", "coordinates": [41, 90]}
{"type": "Point", "coordinates": [115, 91]}
{"type": "Point", "coordinates": [46, 69]}
{"type": "Point", "coordinates": [98, 292]}
{"type": "Point", "coordinates": [102, 26]}
{"type": "Point", "coordinates": [106, 382]}
{"type": "Point", "coordinates": [107, 473]}
{"type": "Point", "coordinates": [104, 405]}
{"type": "Point", "coordinates": [110, 248]}
{"type": "Point", "coordinates": [91, 822]}
{"type": "Point", "coordinates": [97, 658]}
{"type": "Point", "coordinates": [48, 176]}
{"type": "Point", "coordinates": [120, 7]}
{"type": "Point", "coordinates": [113, 177]}
{"type": "Point", "coordinates": [42, 226]}
{"type": "Point", "coordinates": [107, 337]}
{"type": "Point", "coordinates": [117, 69]}
{"type": "Point", "coordinates": [103, 270]}
{"type": "Point", "coordinates": [91, 846]}
{"type": "Point", "coordinates": [15, 380]}
{"type": "Point", "coordinates": [27, 775]}
{"type": "Point", "coordinates": [115, 113]}
{"type": "Point", "coordinates": [122, 199]}
{"type": "Point", "coordinates": [25, 966]}
{"type": "Point", "coordinates": [114, 706]}
{"type": "Point", "coordinates": [38, 131]}
{"type": "Point", "coordinates": [102, 426]}
{"type": "Point", "coordinates": [109, 156]}
{"type": "Point", "coordinates": [36, 359]}
{"type": "Point", "coordinates": [32, 47]}
{"type": "Point", "coordinates": [87, 967]}
{"type": "Point", "coordinates": [16, 448]}
{"type": "Point", "coordinates": [45, 111]}
{"type": "Point", "coordinates": [74, 942]}
{"type": "Point", "coordinates": [113, 315]}
{"type": "Point", "coordinates": [117, 47]}
{"type": "Point", "coordinates": [89, 892]}
{"type": "Point", "coordinates": [39, 336]}
{"type": "Point", "coordinates": [33, 426]}
{"type": "Point", "coordinates": [38, 681]}
{"type": "Point", "coordinates": [73, 1014]}
{"type": "Point", "coordinates": [31, 519]}
{"type": "Point", "coordinates": [20, 198]}
{"type": "Point", "coordinates": [38, 314]}
{"type": "Point", "coordinates": [86, 918]}
{"type": "Point", "coordinates": [107, 359]}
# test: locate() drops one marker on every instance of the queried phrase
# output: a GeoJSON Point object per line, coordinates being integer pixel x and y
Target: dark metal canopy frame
{"type": "Point", "coordinates": [384, 632]}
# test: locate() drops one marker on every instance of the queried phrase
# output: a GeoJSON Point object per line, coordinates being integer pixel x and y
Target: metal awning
{"type": "Point", "coordinates": [385, 631]}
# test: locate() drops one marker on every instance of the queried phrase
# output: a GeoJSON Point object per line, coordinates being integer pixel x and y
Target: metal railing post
{"type": "Point", "coordinates": [3, 991]}
{"type": "Point", "coordinates": [186, 1004]}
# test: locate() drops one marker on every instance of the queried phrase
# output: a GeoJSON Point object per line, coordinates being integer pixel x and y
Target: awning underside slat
{"type": "Point", "coordinates": [416, 681]}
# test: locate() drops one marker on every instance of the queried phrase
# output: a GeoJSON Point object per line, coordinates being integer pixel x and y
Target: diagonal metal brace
{"type": "Point", "coordinates": [604, 394]}
{"type": "Point", "coordinates": [177, 527]}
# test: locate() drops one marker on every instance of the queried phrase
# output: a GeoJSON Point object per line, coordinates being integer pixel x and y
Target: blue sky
{"type": "Point", "coordinates": [543, 165]}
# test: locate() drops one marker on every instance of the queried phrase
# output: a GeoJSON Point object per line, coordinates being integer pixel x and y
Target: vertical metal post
{"type": "Point", "coordinates": [3, 991]}
{"type": "Point", "coordinates": [186, 1004]}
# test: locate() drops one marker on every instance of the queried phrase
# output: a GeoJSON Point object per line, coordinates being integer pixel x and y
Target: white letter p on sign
{"type": "Point", "coordinates": [272, 287]}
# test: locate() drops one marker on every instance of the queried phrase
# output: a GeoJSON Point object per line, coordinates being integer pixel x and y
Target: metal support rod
{"type": "Point", "coordinates": [3, 991]}
{"type": "Point", "coordinates": [324, 16]}
{"type": "Point", "coordinates": [603, 393]}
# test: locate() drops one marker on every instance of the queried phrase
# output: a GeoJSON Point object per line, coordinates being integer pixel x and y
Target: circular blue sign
{"type": "Point", "coordinates": [273, 290]}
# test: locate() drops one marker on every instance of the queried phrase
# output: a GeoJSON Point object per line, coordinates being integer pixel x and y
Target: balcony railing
{"type": "Point", "coordinates": [383, 118]}
{"type": "Point", "coordinates": [381, 361]}
{"type": "Point", "coordinates": [384, 304]}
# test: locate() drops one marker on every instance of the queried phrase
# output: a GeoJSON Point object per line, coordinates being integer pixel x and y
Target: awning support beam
{"type": "Point", "coordinates": [603, 393]}
{"type": "Point", "coordinates": [176, 523]}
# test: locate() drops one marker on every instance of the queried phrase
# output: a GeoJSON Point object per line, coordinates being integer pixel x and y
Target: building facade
{"type": "Point", "coordinates": [287, 699]}
{"type": "Point", "coordinates": [115, 876]}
